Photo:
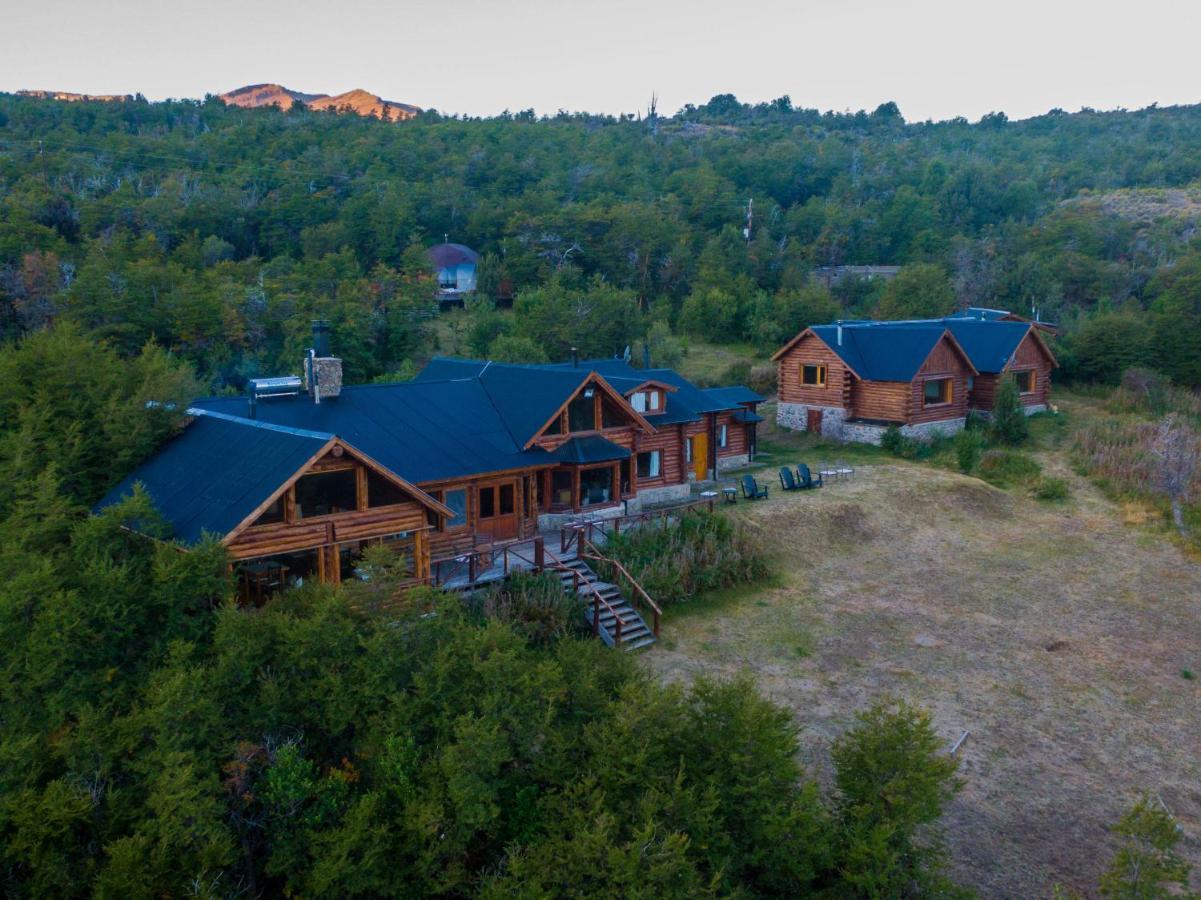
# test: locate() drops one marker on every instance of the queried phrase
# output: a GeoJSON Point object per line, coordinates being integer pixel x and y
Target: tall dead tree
{"type": "Point", "coordinates": [1176, 449]}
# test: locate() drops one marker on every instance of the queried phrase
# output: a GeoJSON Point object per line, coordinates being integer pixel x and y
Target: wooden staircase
{"type": "Point", "coordinates": [620, 624]}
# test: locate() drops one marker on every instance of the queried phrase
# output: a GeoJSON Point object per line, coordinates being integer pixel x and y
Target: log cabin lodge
{"type": "Point", "coordinates": [852, 380]}
{"type": "Point", "coordinates": [301, 475]}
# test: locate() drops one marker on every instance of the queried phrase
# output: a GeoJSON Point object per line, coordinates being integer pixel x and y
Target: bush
{"type": "Point", "coordinates": [1051, 489]}
{"type": "Point", "coordinates": [1006, 468]}
{"type": "Point", "coordinates": [968, 447]}
{"type": "Point", "coordinates": [1147, 864]}
{"type": "Point", "coordinates": [535, 606]}
{"type": "Point", "coordinates": [893, 441]}
{"type": "Point", "coordinates": [893, 780]}
{"type": "Point", "coordinates": [700, 552]}
{"type": "Point", "coordinates": [1009, 425]}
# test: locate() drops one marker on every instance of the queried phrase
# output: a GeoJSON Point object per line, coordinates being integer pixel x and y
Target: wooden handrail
{"type": "Point", "coordinates": [598, 599]}
{"type": "Point", "coordinates": [596, 555]}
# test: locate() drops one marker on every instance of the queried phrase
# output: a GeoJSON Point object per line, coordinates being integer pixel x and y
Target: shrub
{"type": "Point", "coordinates": [1009, 425]}
{"type": "Point", "coordinates": [976, 421]}
{"type": "Point", "coordinates": [1146, 864]}
{"type": "Point", "coordinates": [535, 606]}
{"type": "Point", "coordinates": [699, 552]}
{"type": "Point", "coordinates": [893, 781]}
{"type": "Point", "coordinates": [1049, 488]}
{"type": "Point", "coordinates": [968, 447]}
{"type": "Point", "coordinates": [893, 441]}
{"type": "Point", "coordinates": [1006, 468]}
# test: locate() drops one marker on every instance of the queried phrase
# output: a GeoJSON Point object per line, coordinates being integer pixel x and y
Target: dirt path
{"type": "Point", "coordinates": [1054, 633]}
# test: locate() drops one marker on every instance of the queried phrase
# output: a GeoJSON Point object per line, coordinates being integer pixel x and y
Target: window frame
{"type": "Point", "coordinates": [654, 467]}
{"type": "Point", "coordinates": [723, 436]}
{"type": "Point", "coordinates": [942, 380]}
{"type": "Point", "coordinates": [1028, 373]}
{"type": "Point", "coordinates": [821, 374]}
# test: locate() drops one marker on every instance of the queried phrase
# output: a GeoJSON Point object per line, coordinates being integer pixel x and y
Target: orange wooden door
{"type": "Point", "coordinates": [700, 455]}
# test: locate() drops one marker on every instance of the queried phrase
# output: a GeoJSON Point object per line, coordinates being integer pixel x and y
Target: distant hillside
{"type": "Point", "coordinates": [70, 97]}
{"type": "Point", "coordinates": [357, 101]}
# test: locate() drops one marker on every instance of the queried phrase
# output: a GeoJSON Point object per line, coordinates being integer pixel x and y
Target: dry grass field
{"type": "Point", "coordinates": [1056, 633]}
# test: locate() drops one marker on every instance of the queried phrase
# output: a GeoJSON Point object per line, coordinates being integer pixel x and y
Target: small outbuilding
{"type": "Point", "coordinates": [455, 268]}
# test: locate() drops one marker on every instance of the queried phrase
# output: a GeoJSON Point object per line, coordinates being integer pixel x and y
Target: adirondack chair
{"type": "Point", "coordinates": [787, 482]}
{"type": "Point", "coordinates": [806, 479]}
{"type": "Point", "coordinates": [751, 489]}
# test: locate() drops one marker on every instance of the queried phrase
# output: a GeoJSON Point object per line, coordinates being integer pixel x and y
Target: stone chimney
{"type": "Point", "coordinates": [322, 372]}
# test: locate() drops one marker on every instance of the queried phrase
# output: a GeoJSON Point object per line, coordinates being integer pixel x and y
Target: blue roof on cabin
{"type": "Point", "coordinates": [883, 351]}
{"type": "Point", "coordinates": [421, 430]}
{"type": "Point", "coordinates": [737, 394]}
{"type": "Point", "coordinates": [988, 344]}
{"type": "Point", "coordinates": [591, 448]}
{"type": "Point", "coordinates": [217, 471]}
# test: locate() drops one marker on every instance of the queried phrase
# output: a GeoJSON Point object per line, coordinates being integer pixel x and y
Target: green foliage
{"type": "Point", "coordinates": [920, 291]}
{"type": "Point", "coordinates": [1009, 425]}
{"type": "Point", "coordinates": [893, 440]}
{"type": "Point", "coordinates": [69, 402]}
{"type": "Point", "coordinates": [1051, 488]}
{"type": "Point", "coordinates": [678, 560]}
{"type": "Point", "coordinates": [596, 318]}
{"type": "Point", "coordinates": [1008, 468]}
{"type": "Point", "coordinates": [1147, 865]}
{"type": "Point", "coordinates": [894, 779]}
{"type": "Point", "coordinates": [535, 606]}
{"type": "Point", "coordinates": [969, 444]}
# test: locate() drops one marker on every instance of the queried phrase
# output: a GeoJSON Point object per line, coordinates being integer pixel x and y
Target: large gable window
{"type": "Point", "coordinates": [382, 492]}
{"type": "Point", "coordinates": [813, 375]}
{"type": "Point", "coordinates": [326, 493]}
{"type": "Point", "coordinates": [1026, 380]}
{"type": "Point", "coordinates": [936, 392]}
{"type": "Point", "coordinates": [581, 412]}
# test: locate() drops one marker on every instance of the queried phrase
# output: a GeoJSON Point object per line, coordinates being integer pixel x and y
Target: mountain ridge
{"type": "Point", "coordinates": [357, 101]}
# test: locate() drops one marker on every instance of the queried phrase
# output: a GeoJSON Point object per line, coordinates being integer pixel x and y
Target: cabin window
{"type": "Point", "coordinates": [1025, 380]}
{"type": "Point", "coordinates": [971, 382]}
{"type": "Point", "coordinates": [596, 486]}
{"type": "Point", "coordinates": [581, 412]}
{"type": "Point", "coordinates": [638, 401]}
{"type": "Point", "coordinates": [649, 464]}
{"type": "Point", "coordinates": [273, 513]}
{"type": "Point", "coordinates": [813, 375]}
{"type": "Point", "coordinates": [723, 436]}
{"type": "Point", "coordinates": [555, 427]}
{"type": "Point", "coordinates": [688, 450]}
{"type": "Point", "coordinates": [382, 492]}
{"type": "Point", "coordinates": [611, 416]}
{"type": "Point", "coordinates": [627, 486]}
{"type": "Point", "coordinates": [936, 391]}
{"type": "Point", "coordinates": [326, 493]}
{"type": "Point", "coordinates": [456, 499]}
{"type": "Point", "coordinates": [652, 401]}
{"type": "Point", "coordinates": [507, 500]}
{"type": "Point", "coordinates": [560, 487]}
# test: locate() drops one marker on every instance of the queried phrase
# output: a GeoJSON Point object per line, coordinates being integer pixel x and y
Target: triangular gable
{"type": "Point", "coordinates": [810, 332]}
{"type": "Point", "coordinates": [955, 345]}
{"type": "Point", "coordinates": [415, 492]}
{"type": "Point", "coordinates": [609, 390]}
{"type": "Point", "coordinates": [1034, 332]}
{"type": "Point", "coordinates": [650, 382]}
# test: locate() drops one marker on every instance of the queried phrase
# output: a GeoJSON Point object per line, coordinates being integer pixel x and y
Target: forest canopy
{"type": "Point", "coordinates": [217, 233]}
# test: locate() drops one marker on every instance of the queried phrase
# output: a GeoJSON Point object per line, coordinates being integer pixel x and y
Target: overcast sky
{"type": "Point", "coordinates": [935, 58]}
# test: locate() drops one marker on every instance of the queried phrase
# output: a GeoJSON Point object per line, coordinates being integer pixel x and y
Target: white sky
{"type": "Point", "coordinates": [935, 58]}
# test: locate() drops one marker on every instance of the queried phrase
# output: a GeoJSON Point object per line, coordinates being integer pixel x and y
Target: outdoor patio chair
{"type": "Point", "coordinates": [844, 469]}
{"type": "Point", "coordinates": [787, 482]}
{"type": "Point", "coordinates": [805, 478]}
{"type": "Point", "coordinates": [751, 489]}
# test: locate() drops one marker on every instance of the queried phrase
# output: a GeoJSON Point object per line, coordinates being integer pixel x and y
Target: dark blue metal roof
{"type": "Point", "coordinates": [737, 394]}
{"type": "Point", "coordinates": [217, 471]}
{"type": "Point", "coordinates": [988, 344]}
{"type": "Point", "coordinates": [421, 430]}
{"type": "Point", "coordinates": [883, 351]}
{"type": "Point", "coordinates": [589, 449]}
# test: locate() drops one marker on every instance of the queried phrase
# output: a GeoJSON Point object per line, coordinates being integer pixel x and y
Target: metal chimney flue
{"type": "Point", "coordinates": [840, 332]}
{"type": "Point", "coordinates": [575, 358]}
{"type": "Point", "coordinates": [321, 337]}
{"type": "Point", "coordinates": [646, 354]}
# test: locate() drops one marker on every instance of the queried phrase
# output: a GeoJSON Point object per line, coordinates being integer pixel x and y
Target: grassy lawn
{"type": "Point", "coordinates": [1057, 633]}
{"type": "Point", "coordinates": [706, 364]}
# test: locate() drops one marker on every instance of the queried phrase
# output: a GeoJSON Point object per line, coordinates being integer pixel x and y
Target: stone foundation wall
{"type": "Point", "coordinates": [1034, 408]}
{"type": "Point", "coordinates": [737, 461]}
{"type": "Point", "coordinates": [665, 494]}
{"type": "Point", "coordinates": [866, 433]}
{"type": "Point", "coordinates": [795, 416]}
{"type": "Point", "coordinates": [550, 521]}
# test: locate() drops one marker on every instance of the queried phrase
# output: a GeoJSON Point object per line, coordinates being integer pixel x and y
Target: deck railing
{"type": "Point", "coordinates": [572, 534]}
{"type": "Point", "coordinates": [590, 551]}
